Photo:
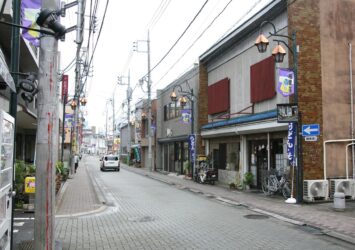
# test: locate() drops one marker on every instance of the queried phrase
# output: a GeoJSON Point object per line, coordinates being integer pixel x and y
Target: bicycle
{"type": "Point", "coordinates": [272, 184]}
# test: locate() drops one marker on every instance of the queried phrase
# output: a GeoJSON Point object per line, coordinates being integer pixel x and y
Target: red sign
{"type": "Point", "coordinates": [64, 86]}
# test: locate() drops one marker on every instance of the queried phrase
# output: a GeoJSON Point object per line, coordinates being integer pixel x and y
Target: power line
{"type": "Point", "coordinates": [194, 42]}
{"type": "Point", "coordinates": [183, 33]}
{"type": "Point", "coordinates": [159, 14]}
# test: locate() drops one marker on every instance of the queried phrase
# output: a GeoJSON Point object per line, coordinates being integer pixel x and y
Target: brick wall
{"type": "Point", "coordinates": [304, 18]}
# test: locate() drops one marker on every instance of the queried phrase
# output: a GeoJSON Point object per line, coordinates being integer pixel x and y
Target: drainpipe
{"type": "Point", "coordinates": [351, 108]}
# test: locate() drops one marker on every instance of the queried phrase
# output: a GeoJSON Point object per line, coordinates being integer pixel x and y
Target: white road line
{"type": "Point", "coordinates": [15, 230]}
{"type": "Point", "coordinates": [26, 218]}
{"type": "Point", "coordinates": [19, 224]}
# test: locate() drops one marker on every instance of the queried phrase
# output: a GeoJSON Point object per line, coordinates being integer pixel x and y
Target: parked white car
{"type": "Point", "coordinates": [110, 162]}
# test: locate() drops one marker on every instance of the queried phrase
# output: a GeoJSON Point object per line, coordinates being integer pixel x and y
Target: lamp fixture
{"type": "Point", "coordinates": [261, 43]}
{"type": "Point", "coordinates": [48, 19]}
{"type": "Point", "coordinates": [173, 96]}
{"type": "Point", "coordinates": [144, 116]}
{"type": "Point", "coordinates": [73, 104]}
{"type": "Point", "coordinates": [83, 101]}
{"type": "Point", "coordinates": [279, 53]}
{"type": "Point", "coordinates": [182, 101]}
{"type": "Point", "coordinates": [28, 84]}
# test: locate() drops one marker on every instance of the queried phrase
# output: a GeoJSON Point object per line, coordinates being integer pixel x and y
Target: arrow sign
{"type": "Point", "coordinates": [310, 130]}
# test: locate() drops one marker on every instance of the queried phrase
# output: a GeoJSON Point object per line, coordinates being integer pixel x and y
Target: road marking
{"type": "Point", "coordinates": [26, 218]}
{"type": "Point", "coordinates": [19, 224]}
{"type": "Point", "coordinates": [15, 230]}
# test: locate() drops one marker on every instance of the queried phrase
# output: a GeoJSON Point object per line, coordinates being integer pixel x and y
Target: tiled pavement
{"type": "Point", "coordinates": [83, 198]}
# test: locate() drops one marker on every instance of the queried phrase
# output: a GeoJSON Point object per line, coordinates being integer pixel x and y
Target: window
{"type": "Point", "coordinates": [172, 110]}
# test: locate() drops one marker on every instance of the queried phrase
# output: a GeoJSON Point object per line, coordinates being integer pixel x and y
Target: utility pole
{"type": "Point", "coordinates": [79, 41]}
{"type": "Point", "coordinates": [129, 96]}
{"type": "Point", "coordinates": [45, 158]}
{"type": "Point", "coordinates": [149, 84]}
{"type": "Point", "coordinates": [150, 165]}
{"type": "Point", "coordinates": [113, 116]}
{"type": "Point", "coordinates": [15, 58]}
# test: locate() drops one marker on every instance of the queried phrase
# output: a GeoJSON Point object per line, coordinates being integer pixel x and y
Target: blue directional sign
{"type": "Point", "coordinates": [310, 130]}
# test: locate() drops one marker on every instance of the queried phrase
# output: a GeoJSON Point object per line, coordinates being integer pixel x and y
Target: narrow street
{"type": "Point", "coordinates": [143, 213]}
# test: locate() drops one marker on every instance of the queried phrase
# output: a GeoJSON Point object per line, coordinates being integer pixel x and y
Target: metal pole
{"type": "Point", "coordinates": [351, 107]}
{"type": "Point", "coordinates": [14, 67]}
{"type": "Point", "coordinates": [113, 122]}
{"type": "Point", "coordinates": [299, 174]}
{"type": "Point", "coordinates": [129, 118]}
{"type": "Point", "coordinates": [193, 161]}
{"type": "Point", "coordinates": [63, 130]}
{"type": "Point", "coordinates": [45, 168]}
{"type": "Point", "coordinates": [149, 110]}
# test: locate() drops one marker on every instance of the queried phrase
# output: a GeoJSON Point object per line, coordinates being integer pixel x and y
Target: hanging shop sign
{"type": "Point", "coordinates": [286, 81]}
{"type": "Point", "coordinates": [186, 116]}
{"type": "Point", "coordinates": [30, 185]}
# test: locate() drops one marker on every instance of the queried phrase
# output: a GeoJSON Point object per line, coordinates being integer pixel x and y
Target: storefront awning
{"type": "Point", "coordinates": [262, 127]}
{"type": "Point", "coordinates": [5, 75]}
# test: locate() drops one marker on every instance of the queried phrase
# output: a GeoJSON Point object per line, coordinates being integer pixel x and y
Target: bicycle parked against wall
{"type": "Point", "coordinates": [272, 183]}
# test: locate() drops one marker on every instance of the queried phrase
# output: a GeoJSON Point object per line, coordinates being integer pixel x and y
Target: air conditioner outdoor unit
{"type": "Point", "coordinates": [315, 190]}
{"type": "Point", "coordinates": [346, 186]}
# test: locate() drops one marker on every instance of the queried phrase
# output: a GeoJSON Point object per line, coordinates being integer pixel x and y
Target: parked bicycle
{"type": "Point", "coordinates": [272, 184]}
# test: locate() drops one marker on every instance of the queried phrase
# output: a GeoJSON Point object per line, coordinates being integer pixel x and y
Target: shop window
{"type": "Point", "coordinates": [172, 111]}
{"type": "Point", "coordinates": [233, 156]}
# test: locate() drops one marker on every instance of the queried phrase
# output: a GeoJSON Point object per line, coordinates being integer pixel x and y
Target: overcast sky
{"type": "Point", "coordinates": [129, 21]}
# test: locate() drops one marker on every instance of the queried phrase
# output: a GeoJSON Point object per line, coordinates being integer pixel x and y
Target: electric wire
{"type": "Point", "coordinates": [183, 33]}
{"type": "Point", "coordinates": [159, 15]}
{"type": "Point", "coordinates": [194, 42]}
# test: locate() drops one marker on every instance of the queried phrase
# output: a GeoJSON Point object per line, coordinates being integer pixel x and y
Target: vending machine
{"type": "Point", "coordinates": [6, 177]}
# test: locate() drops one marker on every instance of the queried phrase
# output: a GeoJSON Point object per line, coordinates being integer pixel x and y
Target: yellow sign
{"type": "Point", "coordinates": [30, 185]}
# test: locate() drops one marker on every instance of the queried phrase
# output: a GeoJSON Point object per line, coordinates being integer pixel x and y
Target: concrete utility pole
{"type": "Point", "coordinates": [45, 153]}
{"type": "Point", "coordinates": [150, 164]}
{"type": "Point", "coordinates": [79, 41]}
{"type": "Point", "coordinates": [113, 116]}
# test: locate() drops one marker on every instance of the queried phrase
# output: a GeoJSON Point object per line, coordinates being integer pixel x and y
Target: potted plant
{"type": "Point", "coordinates": [248, 180]}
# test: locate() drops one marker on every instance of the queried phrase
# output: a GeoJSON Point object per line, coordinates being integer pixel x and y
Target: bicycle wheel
{"type": "Point", "coordinates": [286, 190]}
{"type": "Point", "coordinates": [265, 186]}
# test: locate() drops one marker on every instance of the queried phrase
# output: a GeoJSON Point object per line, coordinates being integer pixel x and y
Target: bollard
{"type": "Point", "coordinates": [339, 201]}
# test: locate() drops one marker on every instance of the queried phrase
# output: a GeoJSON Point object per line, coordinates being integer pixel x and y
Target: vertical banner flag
{"type": "Point", "coordinates": [186, 116]}
{"type": "Point", "coordinates": [291, 138]}
{"type": "Point", "coordinates": [286, 85]}
{"type": "Point", "coordinates": [29, 13]}
{"type": "Point", "coordinates": [192, 143]}
{"type": "Point", "coordinates": [64, 88]}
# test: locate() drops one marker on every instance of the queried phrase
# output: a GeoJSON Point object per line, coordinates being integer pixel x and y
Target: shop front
{"type": "Point", "coordinates": [175, 155]}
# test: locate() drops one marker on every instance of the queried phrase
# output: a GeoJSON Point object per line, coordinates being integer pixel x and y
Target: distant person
{"type": "Point", "coordinates": [76, 161]}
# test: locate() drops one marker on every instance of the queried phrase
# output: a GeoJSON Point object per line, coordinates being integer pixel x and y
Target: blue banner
{"type": "Point", "coordinates": [192, 146]}
{"type": "Point", "coordinates": [291, 138]}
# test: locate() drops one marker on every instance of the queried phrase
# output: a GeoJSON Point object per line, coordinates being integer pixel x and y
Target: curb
{"type": "Point", "coordinates": [98, 191]}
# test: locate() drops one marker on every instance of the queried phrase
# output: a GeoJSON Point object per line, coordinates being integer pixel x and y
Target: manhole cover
{"type": "Point", "coordinates": [256, 216]}
{"type": "Point", "coordinates": [141, 219]}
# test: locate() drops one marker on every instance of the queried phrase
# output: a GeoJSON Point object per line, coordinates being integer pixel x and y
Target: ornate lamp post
{"type": "Point", "coordinates": [183, 101]}
{"type": "Point", "coordinates": [279, 53]}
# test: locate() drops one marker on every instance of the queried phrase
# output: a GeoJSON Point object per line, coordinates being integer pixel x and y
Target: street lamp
{"type": "Point", "coordinates": [183, 101]}
{"type": "Point", "coordinates": [279, 53]}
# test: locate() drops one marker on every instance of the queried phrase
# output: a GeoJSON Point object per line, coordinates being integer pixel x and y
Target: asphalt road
{"type": "Point", "coordinates": [146, 214]}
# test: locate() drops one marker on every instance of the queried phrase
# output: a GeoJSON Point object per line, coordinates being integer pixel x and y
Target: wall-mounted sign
{"type": "Point", "coordinates": [291, 138]}
{"type": "Point", "coordinates": [287, 112]}
{"type": "Point", "coordinates": [30, 185]}
{"type": "Point", "coordinates": [311, 138]}
{"type": "Point", "coordinates": [310, 129]}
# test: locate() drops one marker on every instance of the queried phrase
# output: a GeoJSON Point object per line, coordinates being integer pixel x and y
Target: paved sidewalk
{"type": "Point", "coordinates": [320, 215]}
{"type": "Point", "coordinates": [78, 196]}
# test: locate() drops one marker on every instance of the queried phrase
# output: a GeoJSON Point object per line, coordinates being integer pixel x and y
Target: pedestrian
{"type": "Point", "coordinates": [76, 161]}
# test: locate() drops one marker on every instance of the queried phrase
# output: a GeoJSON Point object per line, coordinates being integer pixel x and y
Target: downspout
{"type": "Point", "coordinates": [351, 108]}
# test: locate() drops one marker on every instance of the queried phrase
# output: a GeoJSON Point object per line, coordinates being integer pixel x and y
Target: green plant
{"type": "Point", "coordinates": [248, 178]}
{"type": "Point", "coordinates": [186, 167]}
{"type": "Point", "coordinates": [59, 167]}
{"type": "Point", "coordinates": [232, 185]}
